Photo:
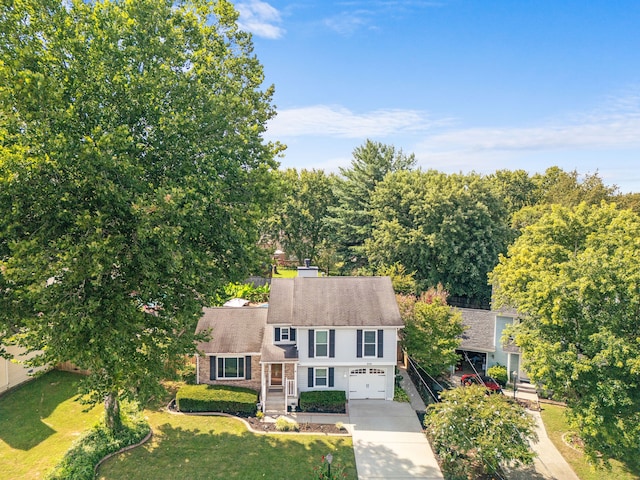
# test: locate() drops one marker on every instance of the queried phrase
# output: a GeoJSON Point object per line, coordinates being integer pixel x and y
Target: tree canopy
{"type": "Point", "coordinates": [432, 330]}
{"type": "Point", "coordinates": [476, 434]}
{"type": "Point", "coordinates": [574, 277]}
{"type": "Point", "coordinates": [352, 217]}
{"type": "Point", "coordinates": [448, 229]}
{"type": "Point", "coordinates": [300, 222]}
{"type": "Point", "coordinates": [132, 173]}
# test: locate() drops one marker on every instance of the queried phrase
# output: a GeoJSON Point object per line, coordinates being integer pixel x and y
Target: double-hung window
{"type": "Point", "coordinates": [322, 343]}
{"type": "Point", "coordinates": [321, 377]}
{"type": "Point", "coordinates": [369, 343]}
{"type": "Point", "coordinates": [284, 334]}
{"type": "Point", "coordinates": [231, 367]}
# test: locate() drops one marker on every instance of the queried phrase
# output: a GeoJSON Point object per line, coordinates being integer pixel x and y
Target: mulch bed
{"type": "Point", "coordinates": [261, 426]}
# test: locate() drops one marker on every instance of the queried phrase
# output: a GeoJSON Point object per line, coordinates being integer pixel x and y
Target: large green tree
{"type": "Point", "coordinates": [570, 189]}
{"type": "Point", "coordinates": [132, 173]}
{"type": "Point", "coordinates": [432, 330]}
{"type": "Point", "coordinates": [447, 229]}
{"type": "Point", "coordinates": [300, 221]}
{"type": "Point", "coordinates": [476, 434]}
{"type": "Point", "coordinates": [574, 277]}
{"type": "Point", "coordinates": [352, 218]}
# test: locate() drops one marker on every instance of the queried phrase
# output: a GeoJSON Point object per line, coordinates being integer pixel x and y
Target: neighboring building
{"type": "Point", "coordinates": [316, 333]}
{"type": "Point", "coordinates": [14, 372]}
{"type": "Point", "coordinates": [482, 342]}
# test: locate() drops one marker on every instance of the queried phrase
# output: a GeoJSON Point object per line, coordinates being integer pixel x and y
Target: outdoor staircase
{"type": "Point", "coordinates": [526, 388]}
{"type": "Point", "coordinates": [275, 402]}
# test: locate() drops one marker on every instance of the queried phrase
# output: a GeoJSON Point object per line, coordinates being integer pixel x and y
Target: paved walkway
{"type": "Point", "coordinates": [549, 464]}
{"type": "Point", "coordinates": [388, 442]}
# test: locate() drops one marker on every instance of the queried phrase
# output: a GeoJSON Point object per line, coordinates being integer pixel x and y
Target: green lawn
{"type": "Point", "coordinates": [38, 423]}
{"type": "Point", "coordinates": [556, 426]}
{"type": "Point", "coordinates": [286, 273]}
{"type": "Point", "coordinates": [197, 447]}
{"type": "Point", "coordinates": [40, 420]}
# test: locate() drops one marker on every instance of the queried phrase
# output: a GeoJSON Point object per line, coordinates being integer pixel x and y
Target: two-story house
{"type": "Point", "coordinates": [316, 333]}
{"type": "Point", "coordinates": [482, 343]}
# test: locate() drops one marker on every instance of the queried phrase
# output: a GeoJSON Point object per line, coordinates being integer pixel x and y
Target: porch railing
{"type": "Point", "coordinates": [291, 388]}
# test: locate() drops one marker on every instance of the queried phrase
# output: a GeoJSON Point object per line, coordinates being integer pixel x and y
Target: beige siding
{"type": "Point", "coordinates": [13, 372]}
{"type": "Point", "coordinates": [254, 383]}
{"type": "Point", "coordinates": [70, 367]}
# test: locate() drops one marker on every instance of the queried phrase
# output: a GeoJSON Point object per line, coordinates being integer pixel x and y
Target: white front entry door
{"type": "Point", "coordinates": [367, 383]}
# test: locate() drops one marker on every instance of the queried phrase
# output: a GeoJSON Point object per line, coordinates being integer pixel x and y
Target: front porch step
{"type": "Point", "coordinates": [526, 387]}
{"type": "Point", "coordinates": [274, 403]}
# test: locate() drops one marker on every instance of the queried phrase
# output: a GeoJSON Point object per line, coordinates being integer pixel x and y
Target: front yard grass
{"type": "Point", "coordinates": [286, 273]}
{"type": "Point", "coordinates": [556, 426]}
{"type": "Point", "coordinates": [207, 447]}
{"type": "Point", "coordinates": [41, 419]}
{"type": "Point", "coordinates": [38, 423]}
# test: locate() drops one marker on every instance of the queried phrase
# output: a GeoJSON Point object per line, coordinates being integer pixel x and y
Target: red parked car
{"type": "Point", "coordinates": [489, 383]}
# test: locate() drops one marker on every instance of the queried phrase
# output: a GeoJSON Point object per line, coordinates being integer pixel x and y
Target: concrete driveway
{"type": "Point", "coordinates": [388, 442]}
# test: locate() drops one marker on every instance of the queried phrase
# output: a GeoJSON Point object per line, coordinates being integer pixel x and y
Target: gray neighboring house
{"type": "Point", "coordinates": [482, 341]}
{"type": "Point", "coordinates": [317, 333]}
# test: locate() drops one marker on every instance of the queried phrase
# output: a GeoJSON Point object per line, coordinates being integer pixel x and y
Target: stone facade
{"type": "Point", "coordinates": [254, 383]}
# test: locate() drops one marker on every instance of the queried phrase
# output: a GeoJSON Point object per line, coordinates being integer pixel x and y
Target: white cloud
{"type": "Point", "coordinates": [259, 18]}
{"type": "Point", "coordinates": [336, 121]}
{"type": "Point", "coordinates": [617, 126]}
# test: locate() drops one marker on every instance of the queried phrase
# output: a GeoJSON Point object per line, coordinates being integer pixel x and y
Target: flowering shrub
{"type": "Point", "coordinates": [321, 472]}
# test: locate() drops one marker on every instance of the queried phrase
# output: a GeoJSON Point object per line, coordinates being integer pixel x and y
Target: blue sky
{"type": "Point", "coordinates": [464, 85]}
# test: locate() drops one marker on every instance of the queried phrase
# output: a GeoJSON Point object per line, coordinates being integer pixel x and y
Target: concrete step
{"type": "Point", "coordinates": [526, 387]}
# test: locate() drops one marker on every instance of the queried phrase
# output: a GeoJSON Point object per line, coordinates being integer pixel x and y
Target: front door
{"type": "Point", "coordinates": [276, 374]}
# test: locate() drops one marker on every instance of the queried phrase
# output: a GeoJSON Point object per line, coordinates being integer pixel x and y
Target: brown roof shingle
{"type": "Point", "coordinates": [333, 301]}
{"type": "Point", "coordinates": [234, 330]}
{"type": "Point", "coordinates": [480, 332]}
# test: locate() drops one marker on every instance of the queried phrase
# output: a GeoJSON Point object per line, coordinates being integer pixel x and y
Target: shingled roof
{"type": "Point", "coordinates": [480, 332]}
{"type": "Point", "coordinates": [333, 302]}
{"type": "Point", "coordinates": [233, 330]}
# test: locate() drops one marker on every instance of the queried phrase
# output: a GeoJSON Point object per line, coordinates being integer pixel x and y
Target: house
{"type": "Point", "coordinates": [317, 333]}
{"type": "Point", "coordinates": [13, 372]}
{"type": "Point", "coordinates": [482, 345]}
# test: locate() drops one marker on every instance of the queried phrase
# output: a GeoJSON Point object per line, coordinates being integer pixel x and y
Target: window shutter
{"type": "Point", "coordinates": [212, 368]}
{"type": "Point", "coordinates": [380, 343]}
{"type": "Point", "coordinates": [277, 334]}
{"type": "Point", "coordinates": [247, 367]}
{"type": "Point", "coordinates": [359, 344]}
{"type": "Point", "coordinates": [331, 375]}
{"type": "Point", "coordinates": [332, 343]}
{"type": "Point", "coordinates": [292, 334]}
{"type": "Point", "coordinates": [310, 377]}
{"type": "Point", "coordinates": [312, 344]}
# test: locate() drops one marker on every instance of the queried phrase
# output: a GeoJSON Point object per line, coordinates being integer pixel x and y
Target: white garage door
{"type": "Point", "coordinates": [367, 383]}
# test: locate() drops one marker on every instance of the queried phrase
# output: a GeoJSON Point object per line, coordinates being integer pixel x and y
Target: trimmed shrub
{"type": "Point", "coordinates": [217, 398]}
{"type": "Point", "coordinates": [325, 401]}
{"type": "Point", "coordinates": [499, 374]}
{"type": "Point", "coordinates": [285, 425]}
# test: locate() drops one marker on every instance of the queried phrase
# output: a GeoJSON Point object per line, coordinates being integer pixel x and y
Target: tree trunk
{"type": "Point", "coordinates": [112, 412]}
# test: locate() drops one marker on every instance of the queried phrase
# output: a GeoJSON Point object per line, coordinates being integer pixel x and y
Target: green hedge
{"type": "Point", "coordinates": [325, 401]}
{"type": "Point", "coordinates": [217, 398]}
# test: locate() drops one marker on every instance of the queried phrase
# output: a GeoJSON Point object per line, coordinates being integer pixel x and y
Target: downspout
{"type": "Point", "coordinates": [197, 369]}
{"type": "Point", "coordinates": [263, 386]}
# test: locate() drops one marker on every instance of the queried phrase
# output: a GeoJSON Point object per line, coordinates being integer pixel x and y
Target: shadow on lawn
{"type": "Point", "coordinates": [23, 409]}
{"type": "Point", "coordinates": [211, 452]}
